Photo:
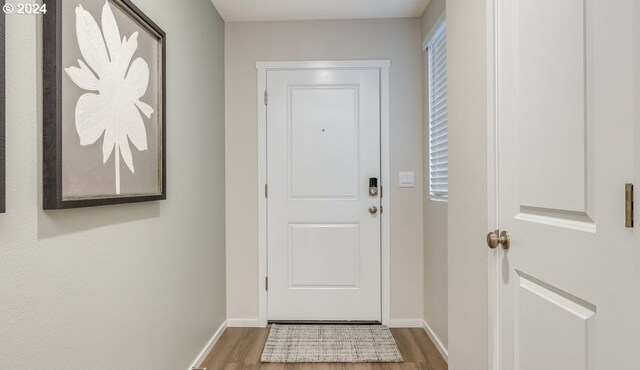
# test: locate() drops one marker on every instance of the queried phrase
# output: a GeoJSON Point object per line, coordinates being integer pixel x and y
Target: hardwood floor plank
{"type": "Point", "coordinates": [241, 349]}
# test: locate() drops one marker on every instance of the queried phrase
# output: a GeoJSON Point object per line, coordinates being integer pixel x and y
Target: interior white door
{"type": "Point", "coordinates": [568, 285]}
{"type": "Point", "coordinates": [323, 145]}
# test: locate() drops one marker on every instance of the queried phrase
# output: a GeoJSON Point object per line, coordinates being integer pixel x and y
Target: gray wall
{"type": "Point", "coordinates": [467, 218]}
{"type": "Point", "coordinates": [138, 286]}
{"type": "Point", "coordinates": [431, 14]}
{"type": "Point", "coordinates": [394, 39]}
{"type": "Point", "coordinates": [435, 213]}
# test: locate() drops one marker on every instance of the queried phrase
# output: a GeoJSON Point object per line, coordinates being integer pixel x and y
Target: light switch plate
{"type": "Point", "coordinates": [407, 179]}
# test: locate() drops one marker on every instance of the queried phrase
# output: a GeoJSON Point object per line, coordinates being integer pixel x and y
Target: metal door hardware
{"type": "Point", "coordinates": [628, 205]}
{"type": "Point", "coordinates": [373, 186]}
{"type": "Point", "coordinates": [495, 238]}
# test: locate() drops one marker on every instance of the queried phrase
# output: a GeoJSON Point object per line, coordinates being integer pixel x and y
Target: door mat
{"type": "Point", "coordinates": [330, 343]}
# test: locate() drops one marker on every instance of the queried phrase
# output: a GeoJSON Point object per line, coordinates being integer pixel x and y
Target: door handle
{"type": "Point", "coordinates": [373, 209]}
{"type": "Point", "coordinates": [504, 239]}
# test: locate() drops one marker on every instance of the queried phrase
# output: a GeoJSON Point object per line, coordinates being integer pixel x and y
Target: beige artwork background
{"type": "Point", "coordinates": [84, 175]}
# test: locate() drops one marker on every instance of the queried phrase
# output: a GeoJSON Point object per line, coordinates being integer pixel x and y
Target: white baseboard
{"type": "Point", "coordinates": [436, 341]}
{"type": "Point", "coordinates": [417, 323]}
{"type": "Point", "coordinates": [244, 323]}
{"type": "Point", "coordinates": [208, 347]}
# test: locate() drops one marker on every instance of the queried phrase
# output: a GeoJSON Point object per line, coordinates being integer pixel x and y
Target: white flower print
{"type": "Point", "coordinates": [115, 109]}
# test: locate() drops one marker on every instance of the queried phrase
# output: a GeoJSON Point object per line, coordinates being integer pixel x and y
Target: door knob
{"type": "Point", "coordinates": [493, 239]}
{"type": "Point", "coordinates": [373, 209]}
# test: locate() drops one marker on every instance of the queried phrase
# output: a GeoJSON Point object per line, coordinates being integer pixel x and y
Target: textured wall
{"type": "Point", "coordinates": [138, 286]}
{"type": "Point", "coordinates": [248, 42]}
{"type": "Point", "coordinates": [435, 213]}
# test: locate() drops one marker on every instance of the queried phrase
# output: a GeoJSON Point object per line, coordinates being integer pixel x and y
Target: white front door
{"type": "Point", "coordinates": [567, 133]}
{"type": "Point", "coordinates": [323, 146]}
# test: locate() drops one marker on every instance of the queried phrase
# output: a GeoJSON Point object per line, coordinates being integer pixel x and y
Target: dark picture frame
{"type": "Point", "coordinates": [3, 155]}
{"type": "Point", "coordinates": [53, 71]}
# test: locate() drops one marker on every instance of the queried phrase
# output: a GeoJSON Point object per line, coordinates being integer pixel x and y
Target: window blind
{"type": "Point", "coordinates": [438, 120]}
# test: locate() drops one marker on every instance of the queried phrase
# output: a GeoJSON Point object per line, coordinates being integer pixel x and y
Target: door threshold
{"type": "Point", "coordinates": [323, 322]}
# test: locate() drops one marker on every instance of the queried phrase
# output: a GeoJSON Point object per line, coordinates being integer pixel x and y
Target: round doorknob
{"type": "Point", "coordinates": [493, 239]}
{"type": "Point", "coordinates": [373, 209]}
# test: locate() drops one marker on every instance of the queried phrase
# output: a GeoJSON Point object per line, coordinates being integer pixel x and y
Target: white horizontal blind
{"type": "Point", "coordinates": [438, 120]}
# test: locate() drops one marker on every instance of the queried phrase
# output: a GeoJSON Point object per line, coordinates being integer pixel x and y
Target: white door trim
{"type": "Point", "coordinates": [493, 276]}
{"type": "Point", "coordinates": [383, 66]}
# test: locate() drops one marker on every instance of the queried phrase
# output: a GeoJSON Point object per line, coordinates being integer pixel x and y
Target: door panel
{"type": "Point", "coordinates": [323, 145]}
{"type": "Point", "coordinates": [566, 123]}
{"type": "Point", "coordinates": [549, 62]}
{"type": "Point", "coordinates": [554, 330]}
{"type": "Point", "coordinates": [313, 250]}
{"type": "Point", "coordinates": [324, 142]}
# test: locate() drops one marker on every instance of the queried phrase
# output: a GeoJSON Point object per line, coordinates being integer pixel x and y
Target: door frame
{"type": "Point", "coordinates": [385, 239]}
{"type": "Point", "coordinates": [493, 262]}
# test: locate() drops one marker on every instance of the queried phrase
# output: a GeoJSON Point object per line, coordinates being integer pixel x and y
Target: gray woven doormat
{"type": "Point", "coordinates": [330, 343]}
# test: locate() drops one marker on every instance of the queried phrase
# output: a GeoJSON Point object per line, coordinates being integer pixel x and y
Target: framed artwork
{"type": "Point", "coordinates": [2, 116]}
{"type": "Point", "coordinates": [104, 104]}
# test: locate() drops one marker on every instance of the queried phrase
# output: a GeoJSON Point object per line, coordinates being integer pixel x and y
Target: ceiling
{"type": "Point", "coordinates": [280, 10]}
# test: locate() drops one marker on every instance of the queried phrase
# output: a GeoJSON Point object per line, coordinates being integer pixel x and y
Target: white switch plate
{"type": "Point", "coordinates": [407, 179]}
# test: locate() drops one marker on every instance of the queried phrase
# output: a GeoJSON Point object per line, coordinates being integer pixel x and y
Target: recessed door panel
{"type": "Point", "coordinates": [323, 142]}
{"type": "Point", "coordinates": [550, 101]}
{"type": "Point", "coordinates": [313, 256]}
{"type": "Point", "coordinates": [554, 330]}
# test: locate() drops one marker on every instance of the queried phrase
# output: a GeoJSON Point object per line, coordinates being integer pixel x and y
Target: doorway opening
{"type": "Point", "coordinates": [316, 166]}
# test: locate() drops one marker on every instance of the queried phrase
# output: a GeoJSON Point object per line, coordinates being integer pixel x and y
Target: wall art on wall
{"type": "Point", "coordinates": [2, 115]}
{"type": "Point", "coordinates": [104, 104]}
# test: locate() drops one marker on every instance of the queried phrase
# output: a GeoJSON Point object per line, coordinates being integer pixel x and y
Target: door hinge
{"type": "Point", "coordinates": [266, 98]}
{"type": "Point", "coordinates": [266, 283]}
{"type": "Point", "coordinates": [266, 191]}
{"type": "Point", "coordinates": [628, 205]}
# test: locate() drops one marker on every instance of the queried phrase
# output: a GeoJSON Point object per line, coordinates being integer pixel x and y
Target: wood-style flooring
{"type": "Point", "coordinates": [241, 348]}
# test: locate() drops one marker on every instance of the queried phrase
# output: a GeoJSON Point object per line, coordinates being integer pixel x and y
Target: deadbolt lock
{"type": "Point", "coordinates": [373, 186]}
{"type": "Point", "coordinates": [496, 238]}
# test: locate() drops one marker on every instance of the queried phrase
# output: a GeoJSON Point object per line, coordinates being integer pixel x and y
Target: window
{"type": "Point", "coordinates": [438, 121]}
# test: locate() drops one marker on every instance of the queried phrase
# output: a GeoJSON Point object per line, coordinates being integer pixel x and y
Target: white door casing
{"type": "Point", "coordinates": [323, 143]}
{"type": "Point", "coordinates": [567, 289]}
